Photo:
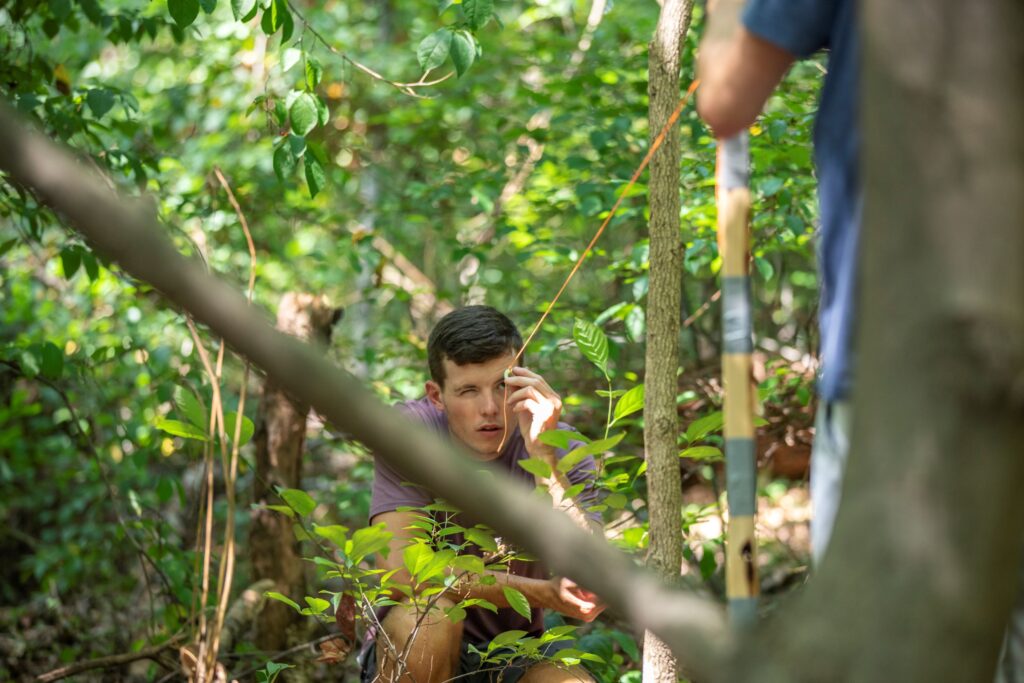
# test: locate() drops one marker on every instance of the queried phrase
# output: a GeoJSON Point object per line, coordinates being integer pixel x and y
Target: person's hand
{"type": "Point", "coordinates": [574, 601]}
{"type": "Point", "coordinates": [536, 405]}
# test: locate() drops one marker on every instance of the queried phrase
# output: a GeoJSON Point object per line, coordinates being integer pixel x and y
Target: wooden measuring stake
{"type": "Point", "coordinates": [733, 196]}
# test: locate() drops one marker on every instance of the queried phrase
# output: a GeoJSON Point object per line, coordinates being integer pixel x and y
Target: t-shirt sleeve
{"type": "Point", "coordinates": [801, 27]}
{"type": "Point", "coordinates": [390, 489]}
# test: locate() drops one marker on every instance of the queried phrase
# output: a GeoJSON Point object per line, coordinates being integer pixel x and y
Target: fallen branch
{"type": "Point", "coordinates": [109, 661]}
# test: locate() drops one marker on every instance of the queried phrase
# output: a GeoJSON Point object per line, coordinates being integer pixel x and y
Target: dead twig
{"type": "Point", "coordinates": [109, 661]}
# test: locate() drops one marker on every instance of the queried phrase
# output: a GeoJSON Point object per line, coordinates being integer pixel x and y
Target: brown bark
{"type": "Point", "coordinates": [280, 439]}
{"type": "Point", "coordinates": [661, 419]}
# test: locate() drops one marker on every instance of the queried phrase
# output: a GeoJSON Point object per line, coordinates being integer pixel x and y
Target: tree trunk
{"type": "Point", "coordinates": [661, 420]}
{"type": "Point", "coordinates": [280, 438]}
{"type": "Point", "coordinates": [920, 574]}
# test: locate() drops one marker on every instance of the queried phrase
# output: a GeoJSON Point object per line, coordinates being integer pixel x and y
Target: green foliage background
{"type": "Point", "coordinates": [325, 160]}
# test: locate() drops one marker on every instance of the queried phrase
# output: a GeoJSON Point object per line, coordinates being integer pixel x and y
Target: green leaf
{"type": "Point", "coordinates": [335, 533]}
{"type": "Point", "coordinates": [517, 601]}
{"type": "Point", "coordinates": [298, 500]}
{"type": "Point", "coordinates": [247, 428]}
{"type": "Point", "coordinates": [323, 114]}
{"type": "Point", "coordinates": [415, 557]}
{"type": "Point", "coordinates": [631, 401]}
{"type": "Point", "coordinates": [283, 509]}
{"type": "Point", "coordinates": [536, 467]}
{"type": "Point", "coordinates": [184, 12]}
{"type": "Point", "coordinates": [208, 5]}
{"type": "Point", "coordinates": [60, 9]}
{"type": "Point", "coordinates": [70, 259]}
{"type": "Point", "coordinates": [433, 49]}
{"type": "Point", "coordinates": [572, 458]}
{"type": "Point", "coordinates": [182, 429]}
{"type": "Point", "coordinates": [274, 595]}
{"type": "Point", "coordinates": [8, 245]}
{"type": "Point", "coordinates": [100, 101]}
{"type": "Point", "coordinates": [52, 360]}
{"type": "Point", "coordinates": [92, 268]}
{"type": "Point", "coordinates": [703, 426]}
{"type": "Point", "coordinates": [314, 73]}
{"type": "Point", "coordinates": [317, 605]}
{"type": "Point", "coordinates": [560, 438]}
{"type": "Point", "coordinates": [367, 541]}
{"type": "Point", "coordinates": [284, 161]}
{"type": "Point", "coordinates": [482, 539]}
{"type": "Point", "coordinates": [242, 8]}
{"type": "Point", "coordinates": [508, 637]}
{"type": "Point", "coordinates": [592, 343]}
{"type": "Point", "coordinates": [315, 176]}
{"type": "Point", "coordinates": [191, 408]}
{"type": "Point", "coordinates": [463, 51]}
{"type": "Point", "coordinates": [636, 323]}
{"type": "Point", "coordinates": [303, 114]}
{"type": "Point", "coordinates": [706, 453]}
{"type": "Point", "coordinates": [455, 614]}
{"type": "Point", "coordinates": [478, 12]}
{"type": "Point", "coordinates": [469, 563]}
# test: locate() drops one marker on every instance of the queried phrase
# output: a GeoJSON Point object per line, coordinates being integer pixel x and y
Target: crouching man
{"type": "Point", "coordinates": [498, 419]}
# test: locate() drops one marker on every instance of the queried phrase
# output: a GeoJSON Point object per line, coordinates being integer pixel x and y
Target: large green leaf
{"type": "Point", "coordinates": [193, 410]}
{"type": "Point", "coordinates": [100, 101]}
{"type": "Point", "coordinates": [517, 601]}
{"type": "Point", "coordinates": [631, 401]}
{"type": "Point", "coordinates": [316, 178]}
{"type": "Point", "coordinates": [298, 500]}
{"type": "Point", "coordinates": [367, 541]}
{"type": "Point", "coordinates": [463, 51]}
{"type": "Point", "coordinates": [182, 429]}
{"type": "Point", "coordinates": [184, 12]}
{"type": "Point", "coordinates": [560, 438]}
{"type": "Point", "coordinates": [433, 49]}
{"type": "Point", "coordinates": [284, 161]}
{"type": "Point", "coordinates": [536, 467]}
{"type": "Point", "coordinates": [703, 426]}
{"type": "Point", "coordinates": [242, 8]}
{"type": "Point", "coordinates": [303, 114]}
{"type": "Point", "coordinates": [704, 453]}
{"type": "Point", "coordinates": [478, 12]}
{"type": "Point", "coordinates": [572, 458]}
{"type": "Point", "coordinates": [247, 428]}
{"type": "Point", "coordinates": [592, 343]}
{"type": "Point", "coordinates": [274, 595]}
{"type": "Point", "coordinates": [505, 638]}
{"type": "Point", "coordinates": [51, 360]}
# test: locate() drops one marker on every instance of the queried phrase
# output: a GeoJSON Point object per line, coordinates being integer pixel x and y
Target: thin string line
{"type": "Point", "coordinates": [586, 252]}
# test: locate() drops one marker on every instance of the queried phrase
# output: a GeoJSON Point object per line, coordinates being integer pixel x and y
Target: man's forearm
{"type": "Point", "coordinates": [538, 592]}
{"type": "Point", "coordinates": [722, 23]}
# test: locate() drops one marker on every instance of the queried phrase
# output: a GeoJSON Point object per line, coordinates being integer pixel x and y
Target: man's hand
{"type": "Point", "coordinates": [574, 601]}
{"type": "Point", "coordinates": [536, 405]}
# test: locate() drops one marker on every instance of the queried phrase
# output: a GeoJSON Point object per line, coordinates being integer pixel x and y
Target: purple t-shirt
{"type": "Point", "coordinates": [392, 491]}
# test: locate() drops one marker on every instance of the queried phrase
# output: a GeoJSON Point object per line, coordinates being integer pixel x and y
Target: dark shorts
{"type": "Point", "coordinates": [471, 670]}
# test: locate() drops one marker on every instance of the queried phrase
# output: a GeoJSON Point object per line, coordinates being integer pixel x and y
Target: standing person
{"type": "Point", "coordinates": [498, 419]}
{"type": "Point", "coordinates": [740, 64]}
{"type": "Point", "coordinates": [743, 57]}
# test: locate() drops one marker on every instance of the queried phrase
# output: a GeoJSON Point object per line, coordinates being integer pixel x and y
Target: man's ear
{"type": "Point", "coordinates": [434, 394]}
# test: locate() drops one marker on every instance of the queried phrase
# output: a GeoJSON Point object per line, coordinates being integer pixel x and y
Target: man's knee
{"type": "Point", "coordinates": [419, 640]}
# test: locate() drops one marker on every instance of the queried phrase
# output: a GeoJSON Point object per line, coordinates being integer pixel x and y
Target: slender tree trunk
{"type": "Point", "coordinates": [661, 420]}
{"type": "Point", "coordinates": [280, 439]}
{"type": "Point", "coordinates": [921, 572]}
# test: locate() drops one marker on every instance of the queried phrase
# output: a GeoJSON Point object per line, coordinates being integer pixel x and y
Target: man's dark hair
{"type": "Point", "coordinates": [474, 334]}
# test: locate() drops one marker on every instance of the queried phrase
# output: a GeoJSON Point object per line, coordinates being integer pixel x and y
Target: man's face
{"type": "Point", "coordinates": [473, 397]}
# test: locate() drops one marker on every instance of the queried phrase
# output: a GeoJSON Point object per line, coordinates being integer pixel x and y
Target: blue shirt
{"type": "Point", "coordinates": [802, 27]}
